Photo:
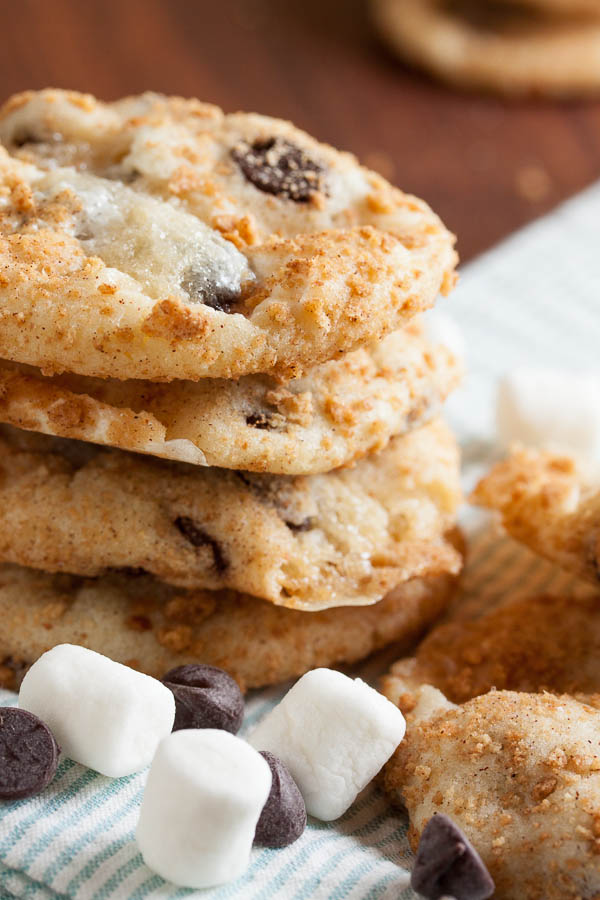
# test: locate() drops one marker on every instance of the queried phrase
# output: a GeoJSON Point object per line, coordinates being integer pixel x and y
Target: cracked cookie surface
{"type": "Point", "coordinates": [308, 542]}
{"type": "Point", "coordinates": [337, 413]}
{"type": "Point", "coordinates": [158, 238]}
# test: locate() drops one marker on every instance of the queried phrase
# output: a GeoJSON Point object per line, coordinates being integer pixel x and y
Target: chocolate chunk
{"type": "Point", "coordinates": [28, 754]}
{"type": "Point", "coordinates": [283, 818]}
{"type": "Point", "coordinates": [260, 420]}
{"type": "Point", "coordinates": [199, 538]}
{"type": "Point", "coordinates": [201, 289]}
{"type": "Point", "coordinates": [245, 478]}
{"type": "Point", "coordinates": [205, 697]}
{"type": "Point", "coordinates": [277, 166]}
{"type": "Point", "coordinates": [304, 525]}
{"type": "Point", "coordinates": [126, 177]}
{"type": "Point", "coordinates": [25, 136]}
{"type": "Point", "coordinates": [448, 864]}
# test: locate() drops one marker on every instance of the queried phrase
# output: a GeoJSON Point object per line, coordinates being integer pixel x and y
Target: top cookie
{"type": "Point", "coordinates": [158, 238]}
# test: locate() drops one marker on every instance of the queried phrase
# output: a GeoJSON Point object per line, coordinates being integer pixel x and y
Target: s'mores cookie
{"type": "Point", "coordinates": [159, 238]}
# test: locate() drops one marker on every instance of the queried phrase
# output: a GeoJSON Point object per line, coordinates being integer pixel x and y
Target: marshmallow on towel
{"type": "Point", "coordinates": [103, 714]}
{"type": "Point", "coordinates": [334, 734]}
{"type": "Point", "coordinates": [205, 792]}
{"type": "Point", "coordinates": [550, 408]}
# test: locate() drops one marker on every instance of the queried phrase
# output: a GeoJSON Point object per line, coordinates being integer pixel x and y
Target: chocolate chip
{"type": "Point", "coordinates": [205, 697]}
{"type": "Point", "coordinates": [127, 177]}
{"type": "Point", "coordinates": [277, 166]}
{"type": "Point", "coordinates": [304, 525]}
{"type": "Point", "coordinates": [200, 288]}
{"type": "Point", "coordinates": [283, 818]}
{"type": "Point", "coordinates": [260, 420]}
{"type": "Point", "coordinates": [447, 864]}
{"type": "Point", "coordinates": [244, 478]}
{"type": "Point", "coordinates": [28, 754]}
{"type": "Point", "coordinates": [199, 538]}
{"type": "Point", "coordinates": [25, 136]}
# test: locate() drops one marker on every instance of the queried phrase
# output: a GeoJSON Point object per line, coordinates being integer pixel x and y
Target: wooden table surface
{"type": "Point", "coordinates": [486, 166]}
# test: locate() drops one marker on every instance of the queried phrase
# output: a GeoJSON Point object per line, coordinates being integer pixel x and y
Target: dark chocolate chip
{"type": "Point", "coordinates": [243, 476]}
{"type": "Point", "coordinates": [25, 136]}
{"type": "Point", "coordinates": [448, 864]}
{"type": "Point", "coordinates": [260, 420]}
{"type": "Point", "coordinates": [277, 166]}
{"type": "Point", "coordinates": [304, 525]}
{"type": "Point", "coordinates": [283, 818]}
{"type": "Point", "coordinates": [201, 289]}
{"type": "Point", "coordinates": [199, 538]}
{"type": "Point", "coordinates": [205, 697]}
{"type": "Point", "coordinates": [28, 754]}
{"type": "Point", "coordinates": [128, 177]}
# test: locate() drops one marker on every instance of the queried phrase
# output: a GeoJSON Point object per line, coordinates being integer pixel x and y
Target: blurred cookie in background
{"type": "Point", "coordinates": [539, 47]}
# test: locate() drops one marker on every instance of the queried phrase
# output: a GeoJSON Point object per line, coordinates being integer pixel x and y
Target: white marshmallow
{"type": "Point", "coordinates": [334, 734]}
{"type": "Point", "coordinates": [204, 796]}
{"type": "Point", "coordinates": [103, 714]}
{"type": "Point", "coordinates": [550, 408]}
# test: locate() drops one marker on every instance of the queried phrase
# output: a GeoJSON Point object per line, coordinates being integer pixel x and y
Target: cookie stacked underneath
{"type": "Point", "coordinates": [221, 437]}
{"type": "Point", "coordinates": [512, 47]}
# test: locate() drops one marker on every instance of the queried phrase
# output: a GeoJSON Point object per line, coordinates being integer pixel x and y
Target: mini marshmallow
{"type": "Point", "coordinates": [103, 714]}
{"type": "Point", "coordinates": [550, 408]}
{"type": "Point", "coordinates": [205, 792]}
{"type": "Point", "coordinates": [334, 734]}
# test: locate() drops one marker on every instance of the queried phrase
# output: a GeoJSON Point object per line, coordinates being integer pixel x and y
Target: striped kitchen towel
{"type": "Point", "coordinates": [534, 299]}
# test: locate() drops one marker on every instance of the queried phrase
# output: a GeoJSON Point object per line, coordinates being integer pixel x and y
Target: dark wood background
{"type": "Point", "coordinates": [486, 166]}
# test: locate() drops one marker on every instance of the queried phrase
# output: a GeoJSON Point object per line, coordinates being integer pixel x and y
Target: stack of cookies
{"type": "Point", "coordinates": [545, 47]}
{"type": "Point", "coordinates": [220, 437]}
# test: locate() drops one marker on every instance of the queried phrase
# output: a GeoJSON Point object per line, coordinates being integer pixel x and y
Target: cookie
{"type": "Point", "coordinates": [158, 238]}
{"type": "Point", "coordinates": [339, 412]}
{"type": "Point", "coordinates": [551, 503]}
{"type": "Point", "coordinates": [141, 622]}
{"type": "Point", "coordinates": [307, 542]}
{"type": "Point", "coordinates": [532, 644]}
{"type": "Point", "coordinates": [519, 773]}
{"type": "Point", "coordinates": [508, 48]}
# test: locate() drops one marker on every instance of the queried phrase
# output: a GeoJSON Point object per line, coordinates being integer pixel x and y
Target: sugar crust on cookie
{"type": "Point", "coordinates": [551, 503]}
{"type": "Point", "coordinates": [337, 413]}
{"type": "Point", "coordinates": [135, 244]}
{"type": "Point", "coordinates": [307, 542]}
